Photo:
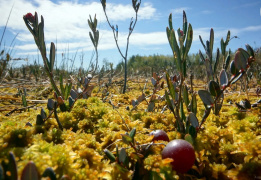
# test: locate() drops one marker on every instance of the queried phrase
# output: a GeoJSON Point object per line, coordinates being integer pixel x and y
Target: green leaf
{"type": "Point", "coordinates": [206, 97]}
{"type": "Point", "coordinates": [67, 90]}
{"type": "Point", "coordinates": [206, 114]}
{"type": "Point", "coordinates": [185, 95]}
{"type": "Point", "coordinates": [30, 172]}
{"type": "Point", "coordinates": [24, 101]}
{"type": "Point", "coordinates": [126, 138]}
{"type": "Point", "coordinates": [214, 88]}
{"type": "Point", "coordinates": [95, 22]}
{"type": "Point", "coordinates": [61, 85]}
{"type": "Point", "coordinates": [52, 57]}
{"type": "Point", "coordinates": [132, 133]}
{"type": "Point", "coordinates": [228, 38]}
{"type": "Point", "coordinates": [202, 42]}
{"type": "Point", "coordinates": [73, 94]}
{"type": "Point", "coordinates": [227, 60]}
{"type": "Point", "coordinates": [93, 41]}
{"type": "Point", "coordinates": [188, 41]}
{"type": "Point", "coordinates": [189, 138]}
{"type": "Point", "coordinates": [90, 24]}
{"type": "Point", "coordinates": [238, 76]}
{"type": "Point", "coordinates": [39, 120]}
{"type": "Point", "coordinates": [193, 120]}
{"type": "Point", "coordinates": [223, 47]}
{"type": "Point", "coordinates": [10, 167]}
{"type": "Point", "coordinates": [96, 36]}
{"type": "Point", "coordinates": [201, 56]}
{"type": "Point", "coordinates": [41, 38]}
{"type": "Point", "coordinates": [123, 157]}
{"type": "Point", "coordinates": [71, 101]}
{"type": "Point", "coordinates": [151, 106]}
{"type": "Point", "coordinates": [170, 105]}
{"type": "Point", "coordinates": [185, 24]}
{"type": "Point", "coordinates": [250, 50]}
{"type": "Point", "coordinates": [50, 104]}
{"type": "Point", "coordinates": [211, 41]}
{"type": "Point", "coordinates": [180, 38]}
{"type": "Point", "coordinates": [223, 78]}
{"type": "Point", "coordinates": [233, 68]}
{"type": "Point", "coordinates": [103, 4]}
{"type": "Point", "coordinates": [110, 155]}
{"type": "Point", "coordinates": [192, 131]}
{"type": "Point", "coordinates": [217, 61]}
{"type": "Point", "coordinates": [170, 86]}
{"type": "Point", "coordinates": [182, 114]}
{"type": "Point", "coordinates": [170, 22]}
{"type": "Point", "coordinates": [175, 48]}
{"type": "Point", "coordinates": [43, 114]}
{"type": "Point", "coordinates": [241, 58]}
{"type": "Point", "coordinates": [63, 107]}
{"type": "Point", "coordinates": [48, 172]}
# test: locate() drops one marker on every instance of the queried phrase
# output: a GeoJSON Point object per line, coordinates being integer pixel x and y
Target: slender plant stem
{"type": "Point", "coordinates": [125, 57]}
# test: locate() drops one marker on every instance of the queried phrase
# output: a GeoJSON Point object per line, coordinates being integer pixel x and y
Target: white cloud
{"type": "Point", "coordinates": [64, 14]}
{"type": "Point", "coordinates": [179, 11]}
{"type": "Point", "coordinates": [66, 22]}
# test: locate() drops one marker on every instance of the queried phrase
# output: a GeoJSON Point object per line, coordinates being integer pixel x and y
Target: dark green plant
{"type": "Point", "coordinates": [178, 90]}
{"type": "Point", "coordinates": [8, 171]}
{"type": "Point", "coordinates": [4, 59]}
{"type": "Point", "coordinates": [238, 67]}
{"type": "Point", "coordinates": [37, 30]}
{"type": "Point", "coordinates": [24, 97]}
{"type": "Point", "coordinates": [115, 30]}
{"type": "Point", "coordinates": [208, 61]}
{"type": "Point", "coordinates": [126, 163]}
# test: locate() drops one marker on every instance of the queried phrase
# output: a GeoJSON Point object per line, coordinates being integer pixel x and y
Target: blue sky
{"type": "Point", "coordinates": [67, 21]}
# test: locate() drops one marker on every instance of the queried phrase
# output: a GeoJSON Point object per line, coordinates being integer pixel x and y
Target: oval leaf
{"type": "Point", "coordinates": [39, 120]}
{"type": "Point", "coordinates": [250, 50]}
{"type": "Point", "coordinates": [30, 172]}
{"type": "Point", "coordinates": [132, 133]}
{"type": "Point", "coordinates": [123, 157]}
{"type": "Point", "coordinates": [10, 168]}
{"type": "Point", "coordinates": [213, 88]}
{"type": "Point", "coordinates": [185, 95]}
{"type": "Point", "coordinates": [206, 97]}
{"type": "Point", "coordinates": [241, 57]}
{"type": "Point", "coordinates": [223, 78]}
{"type": "Point", "coordinates": [233, 68]}
{"type": "Point", "coordinates": [43, 114]}
{"type": "Point", "coordinates": [193, 120]}
{"type": "Point", "coordinates": [48, 172]}
{"type": "Point", "coordinates": [192, 131]}
{"type": "Point", "coordinates": [50, 104]}
{"type": "Point", "coordinates": [110, 155]}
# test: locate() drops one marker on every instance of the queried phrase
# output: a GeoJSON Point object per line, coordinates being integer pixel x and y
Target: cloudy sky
{"type": "Point", "coordinates": [66, 24]}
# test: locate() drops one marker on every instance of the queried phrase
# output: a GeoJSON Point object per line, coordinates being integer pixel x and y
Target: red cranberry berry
{"type": "Point", "coordinates": [159, 135]}
{"type": "Point", "coordinates": [182, 153]}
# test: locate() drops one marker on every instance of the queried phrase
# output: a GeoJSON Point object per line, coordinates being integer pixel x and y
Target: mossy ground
{"type": "Point", "coordinates": [229, 146]}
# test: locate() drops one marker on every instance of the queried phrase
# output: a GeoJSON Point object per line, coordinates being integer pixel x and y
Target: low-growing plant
{"type": "Point", "coordinates": [178, 90]}
{"type": "Point", "coordinates": [63, 93]}
{"type": "Point", "coordinates": [8, 170]}
{"type": "Point", "coordinates": [213, 97]}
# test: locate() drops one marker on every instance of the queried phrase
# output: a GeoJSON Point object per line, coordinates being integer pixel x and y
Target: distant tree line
{"type": "Point", "coordinates": [146, 65]}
